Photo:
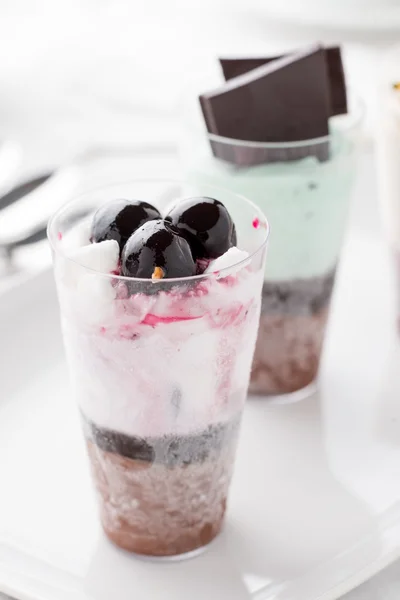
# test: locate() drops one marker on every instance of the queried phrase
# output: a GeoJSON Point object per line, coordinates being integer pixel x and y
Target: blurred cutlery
{"type": "Point", "coordinates": [35, 236]}
{"type": "Point", "coordinates": [22, 189]}
{"type": "Point", "coordinates": [27, 213]}
{"type": "Point", "coordinates": [10, 161]}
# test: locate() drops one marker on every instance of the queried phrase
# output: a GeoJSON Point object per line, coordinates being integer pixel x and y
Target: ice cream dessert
{"type": "Point", "coordinates": [276, 133]}
{"type": "Point", "coordinates": [159, 317]}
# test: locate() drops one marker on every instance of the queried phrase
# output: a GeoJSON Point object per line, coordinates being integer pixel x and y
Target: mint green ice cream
{"type": "Point", "coordinates": [306, 202]}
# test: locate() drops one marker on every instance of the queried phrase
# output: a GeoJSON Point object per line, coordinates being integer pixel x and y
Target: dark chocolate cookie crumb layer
{"type": "Point", "coordinates": [169, 450]}
{"type": "Point", "coordinates": [154, 510]}
{"type": "Point", "coordinates": [298, 297]}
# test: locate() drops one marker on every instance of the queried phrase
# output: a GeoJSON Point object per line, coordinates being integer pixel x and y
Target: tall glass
{"type": "Point", "coordinates": [160, 371]}
{"type": "Point", "coordinates": [305, 188]}
{"type": "Point", "coordinates": [388, 156]}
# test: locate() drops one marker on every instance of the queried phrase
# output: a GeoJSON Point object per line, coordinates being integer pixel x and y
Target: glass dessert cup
{"type": "Point", "coordinates": [160, 371]}
{"type": "Point", "coordinates": [305, 188]}
{"type": "Point", "coordinates": [388, 156]}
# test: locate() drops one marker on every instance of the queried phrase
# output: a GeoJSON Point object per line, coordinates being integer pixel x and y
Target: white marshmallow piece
{"type": "Point", "coordinates": [101, 257]}
{"type": "Point", "coordinates": [91, 295]}
{"type": "Point", "coordinates": [232, 260]}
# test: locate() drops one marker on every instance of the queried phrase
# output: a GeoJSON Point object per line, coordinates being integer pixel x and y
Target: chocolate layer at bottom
{"type": "Point", "coordinates": [287, 353]}
{"type": "Point", "coordinates": [159, 509]}
{"type": "Point", "coordinates": [290, 336]}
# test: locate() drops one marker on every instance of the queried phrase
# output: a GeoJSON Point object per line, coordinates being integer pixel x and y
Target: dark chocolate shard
{"type": "Point", "coordinates": [233, 67]}
{"type": "Point", "coordinates": [284, 101]}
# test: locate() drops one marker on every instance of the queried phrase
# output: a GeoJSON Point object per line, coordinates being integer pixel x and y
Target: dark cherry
{"type": "Point", "coordinates": [206, 224]}
{"type": "Point", "coordinates": [234, 236]}
{"type": "Point", "coordinates": [157, 251]}
{"type": "Point", "coordinates": [118, 219]}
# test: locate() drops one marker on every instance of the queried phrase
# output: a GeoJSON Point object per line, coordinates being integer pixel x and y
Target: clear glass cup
{"type": "Point", "coordinates": [305, 188]}
{"type": "Point", "coordinates": [160, 371]}
{"type": "Point", "coordinates": [388, 157]}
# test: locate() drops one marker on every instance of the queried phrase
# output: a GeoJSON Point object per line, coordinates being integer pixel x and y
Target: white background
{"type": "Point", "coordinates": [88, 72]}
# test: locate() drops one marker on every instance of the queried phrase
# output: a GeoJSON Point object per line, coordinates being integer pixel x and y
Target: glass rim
{"type": "Point", "coordinates": [57, 249]}
{"type": "Point", "coordinates": [359, 112]}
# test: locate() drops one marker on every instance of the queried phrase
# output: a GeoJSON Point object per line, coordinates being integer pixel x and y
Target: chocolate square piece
{"type": "Point", "coordinates": [283, 101]}
{"type": "Point", "coordinates": [233, 67]}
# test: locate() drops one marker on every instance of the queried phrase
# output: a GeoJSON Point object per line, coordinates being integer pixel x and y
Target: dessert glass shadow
{"type": "Point", "coordinates": [305, 188]}
{"type": "Point", "coordinates": [160, 371]}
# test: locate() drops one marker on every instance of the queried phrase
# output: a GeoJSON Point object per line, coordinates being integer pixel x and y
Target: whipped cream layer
{"type": "Point", "coordinates": [160, 362]}
{"type": "Point", "coordinates": [306, 202]}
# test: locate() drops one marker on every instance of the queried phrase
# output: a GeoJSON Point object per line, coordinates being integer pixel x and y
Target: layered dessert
{"type": "Point", "coordinates": [159, 317]}
{"type": "Point", "coordinates": [276, 133]}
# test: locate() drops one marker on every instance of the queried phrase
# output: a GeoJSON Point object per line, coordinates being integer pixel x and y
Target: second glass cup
{"type": "Point", "coordinates": [305, 189]}
{"type": "Point", "coordinates": [160, 371]}
{"type": "Point", "coordinates": [388, 157]}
